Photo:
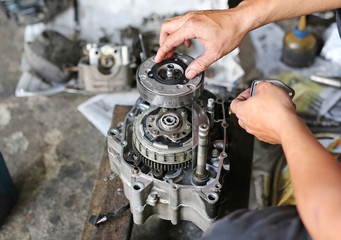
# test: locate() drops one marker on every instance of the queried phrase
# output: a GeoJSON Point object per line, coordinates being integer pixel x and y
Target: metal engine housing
{"type": "Point", "coordinates": [172, 158]}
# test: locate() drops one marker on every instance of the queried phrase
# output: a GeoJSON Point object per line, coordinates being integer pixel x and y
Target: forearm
{"type": "Point", "coordinates": [261, 12]}
{"type": "Point", "coordinates": [316, 177]}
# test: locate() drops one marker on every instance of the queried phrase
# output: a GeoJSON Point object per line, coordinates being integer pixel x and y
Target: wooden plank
{"type": "Point", "coordinates": [109, 196]}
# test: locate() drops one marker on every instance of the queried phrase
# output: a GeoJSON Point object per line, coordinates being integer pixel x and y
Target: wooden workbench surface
{"type": "Point", "coordinates": [107, 197]}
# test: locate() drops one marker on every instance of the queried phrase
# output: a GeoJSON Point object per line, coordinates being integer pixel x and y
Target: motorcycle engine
{"type": "Point", "coordinates": [171, 151]}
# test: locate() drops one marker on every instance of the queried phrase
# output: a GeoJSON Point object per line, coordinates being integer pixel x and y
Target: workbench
{"type": "Point", "coordinates": [108, 195]}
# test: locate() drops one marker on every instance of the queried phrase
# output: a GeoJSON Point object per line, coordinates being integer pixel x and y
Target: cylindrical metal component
{"type": "Point", "coordinates": [170, 70]}
{"type": "Point", "coordinates": [202, 149]}
{"type": "Point", "coordinates": [210, 104]}
{"type": "Point", "coordinates": [210, 110]}
{"type": "Point", "coordinates": [165, 84]}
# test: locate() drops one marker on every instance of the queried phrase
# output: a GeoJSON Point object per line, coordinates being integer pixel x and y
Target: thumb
{"type": "Point", "coordinates": [200, 64]}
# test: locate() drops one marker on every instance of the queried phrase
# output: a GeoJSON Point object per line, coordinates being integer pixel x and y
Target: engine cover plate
{"type": "Point", "coordinates": [165, 85]}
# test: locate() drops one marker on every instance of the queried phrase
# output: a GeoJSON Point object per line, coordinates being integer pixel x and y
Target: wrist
{"type": "Point", "coordinates": [256, 13]}
{"type": "Point", "coordinates": [289, 126]}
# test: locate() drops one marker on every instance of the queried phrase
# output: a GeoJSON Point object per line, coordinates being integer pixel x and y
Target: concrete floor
{"type": "Point", "coordinates": [51, 150]}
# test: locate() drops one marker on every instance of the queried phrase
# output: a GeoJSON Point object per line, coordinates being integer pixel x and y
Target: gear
{"type": "Point", "coordinates": [164, 167]}
{"type": "Point", "coordinates": [163, 138]}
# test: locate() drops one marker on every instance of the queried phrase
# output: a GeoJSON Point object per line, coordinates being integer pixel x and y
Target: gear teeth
{"type": "Point", "coordinates": [164, 167]}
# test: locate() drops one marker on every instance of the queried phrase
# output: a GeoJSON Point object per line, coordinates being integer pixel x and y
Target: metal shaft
{"type": "Point", "coordinates": [210, 110]}
{"type": "Point", "coordinates": [202, 149]}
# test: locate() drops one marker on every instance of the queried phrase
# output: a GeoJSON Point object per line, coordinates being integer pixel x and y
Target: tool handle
{"type": "Point", "coordinates": [289, 90]}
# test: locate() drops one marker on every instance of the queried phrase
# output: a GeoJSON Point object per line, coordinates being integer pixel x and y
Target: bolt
{"type": "Point", "coordinates": [155, 131]}
{"type": "Point", "coordinates": [170, 70]}
{"type": "Point", "coordinates": [164, 110]}
{"type": "Point", "coordinates": [188, 125]}
{"type": "Point", "coordinates": [114, 132]}
{"type": "Point", "coordinates": [151, 118]}
{"type": "Point", "coordinates": [153, 196]}
{"type": "Point", "coordinates": [203, 127]}
{"type": "Point", "coordinates": [210, 103]}
{"type": "Point", "coordinates": [136, 170]}
{"type": "Point", "coordinates": [112, 176]}
{"type": "Point", "coordinates": [215, 153]}
{"type": "Point", "coordinates": [174, 135]}
{"type": "Point", "coordinates": [183, 113]}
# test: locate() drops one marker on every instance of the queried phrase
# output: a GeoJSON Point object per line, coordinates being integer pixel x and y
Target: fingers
{"type": "Point", "coordinates": [245, 95]}
{"type": "Point", "coordinates": [200, 64]}
{"type": "Point", "coordinates": [173, 40]}
{"type": "Point", "coordinates": [241, 98]}
{"type": "Point", "coordinates": [168, 28]}
{"type": "Point", "coordinates": [241, 124]}
{"type": "Point", "coordinates": [172, 25]}
{"type": "Point", "coordinates": [188, 43]}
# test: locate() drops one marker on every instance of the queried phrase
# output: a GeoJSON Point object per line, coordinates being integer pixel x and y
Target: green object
{"type": "Point", "coordinates": [299, 47]}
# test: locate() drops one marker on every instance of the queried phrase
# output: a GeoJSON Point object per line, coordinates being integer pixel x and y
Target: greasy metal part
{"type": "Point", "coordinates": [165, 84]}
{"type": "Point", "coordinates": [202, 150]}
{"type": "Point", "coordinates": [105, 69]}
{"type": "Point", "coordinates": [169, 193]}
{"type": "Point", "coordinates": [49, 55]}
{"type": "Point", "coordinates": [154, 152]}
{"type": "Point", "coordinates": [149, 138]}
{"type": "Point", "coordinates": [170, 123]}
{"type": "Point", "coordinates": [198, 117]}
{"type": "Point", "coordinates": [210, 110]}
{"type": "Point", "coordinates": [201, 174]}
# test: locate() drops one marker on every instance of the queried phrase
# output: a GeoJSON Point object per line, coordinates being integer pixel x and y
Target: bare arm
{"type": "Point", "coordinates": [221, 31]}
{"type": "Point", "coordinates": [316, 174]}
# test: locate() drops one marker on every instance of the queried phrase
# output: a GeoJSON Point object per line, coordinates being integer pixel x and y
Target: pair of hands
{"type": "Point", "coordinates": [266, 114]}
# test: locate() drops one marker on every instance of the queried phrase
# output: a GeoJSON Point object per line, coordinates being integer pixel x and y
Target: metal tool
{"type": "Point", "coordinates": [289, 90]}
{"type": "Point", "coordinates": [330, 81]}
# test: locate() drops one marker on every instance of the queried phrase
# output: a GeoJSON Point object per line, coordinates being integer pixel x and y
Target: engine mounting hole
{"type": "Point", "coordinates": [212, 197]}
{"type": "Point", "coordinates": [138, 186]}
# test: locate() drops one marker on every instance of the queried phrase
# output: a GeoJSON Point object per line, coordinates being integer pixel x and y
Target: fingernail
{"type": "Point", "coordinates": [191, 74]}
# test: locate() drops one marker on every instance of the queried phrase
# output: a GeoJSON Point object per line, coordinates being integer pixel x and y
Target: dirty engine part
{"type": "Point", "coordinates": [50, 55]}
{"type": "Point", "coordinates": [105, 68]}
{"type": "Point", "coordinates": [171, 152]}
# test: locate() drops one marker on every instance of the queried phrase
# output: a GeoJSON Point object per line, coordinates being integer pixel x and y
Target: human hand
{"type": "Point", "coordinates": [219, 31]}
{"type": "Point", "coordinates": [267, 114]}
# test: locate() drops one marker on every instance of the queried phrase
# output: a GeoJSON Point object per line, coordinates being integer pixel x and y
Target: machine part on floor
{"type": "Point", "coordinates": [105, 68]}
{"type": "Point", "coordinates": [50, 54]}
{"type": "Point", "coordinates": [163, 170]}
{"type": "Point", "coordinates": [26, 12]}
{"type": "Point", "coordinates": [289, 90]}
{"type": "Point", "coordinates": [165, 84]}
